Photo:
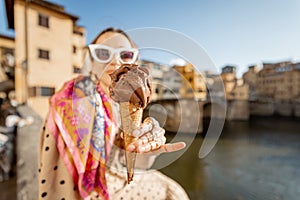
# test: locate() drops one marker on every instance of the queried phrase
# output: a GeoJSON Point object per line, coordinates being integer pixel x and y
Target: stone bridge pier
{"type": "Point", "coordinates": [184, 115]}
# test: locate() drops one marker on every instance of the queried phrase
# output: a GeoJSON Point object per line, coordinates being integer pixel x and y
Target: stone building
{"type": "Point", "coordinates": [156, 71]}
{"type": "Point", "coordinates": [228, 76]}
{"type": "Point", "coordinates": [166, 82]}
{"type": "Point", "coordinates": [215, 85]}
{"type": "Point", "coordinates": [7, 66]}
{"type": "Point", "coordinates": [7, 51]}
{"type": "Point", "coordinates": [279, 82]}
{"type": "Point", "coordinates": [237, 94]}
{"type": "Point", "coordinates": [171, 84]}
{"type": "Point", "coordinates": [193, 82]}
{"type": "Point", "coordinates": [235, 89]}
{"type": "Point", "coordinates": [48, 49]}
{"type": "Point", "coordinates": [275, 89]}
{"type": "Point", "coordinates": [240, 91]}
{"type": "Point", "coordinates": [250, 78]}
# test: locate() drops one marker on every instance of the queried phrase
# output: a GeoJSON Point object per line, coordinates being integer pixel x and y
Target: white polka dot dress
{"type": "Point", "coordinates": [55, 183]}
{"type": "Point", "coordinates": [54, 179]}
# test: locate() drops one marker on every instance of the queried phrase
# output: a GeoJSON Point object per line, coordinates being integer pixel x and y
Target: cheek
{"type": "Point", "coordinates": [107, 72]}
{"type": "Point", "coordinates": [98, 67]}
{"type": "Point", "coordinates": [111, 68]}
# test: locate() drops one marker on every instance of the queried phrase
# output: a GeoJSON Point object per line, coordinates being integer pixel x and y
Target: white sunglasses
{"type": "Point", "coordinates": [104, 54]}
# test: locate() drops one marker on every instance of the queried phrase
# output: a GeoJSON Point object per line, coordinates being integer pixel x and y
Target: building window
{"type": "Point", "coordinates": [74, 49]}
{"type": "Point", "coordinates": [41, 91]}
{"type": "Point", "coordinates": [32, 92]}
{"type": "Point", "coordinates": [5, 51]}
{"type": "Point", "coordinates": [43, 20]}
{"type": "Point", "coordinates": [44, 54]}
{"type": "Point", "coordinates": [76, 70]}
{"type": "Point", "coordinates": [46, 91]}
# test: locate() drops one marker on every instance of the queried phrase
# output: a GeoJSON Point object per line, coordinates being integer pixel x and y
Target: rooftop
{"type": "Point", "coordinates": [6, 37]}
{"type": "Point", "coordinates": [9, 6]}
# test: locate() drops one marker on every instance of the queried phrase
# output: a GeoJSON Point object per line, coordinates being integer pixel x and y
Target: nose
{"type": "Point", "coordinates": [114, 59]}
{"type": "Point", "coordinates": [115, 63]}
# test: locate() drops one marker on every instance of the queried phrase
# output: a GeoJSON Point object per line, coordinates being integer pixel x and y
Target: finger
{"type": "Point", "coordinates": [145, 139]}
{"type": "Point", "coordinates": [153, 121]}
{"type": "Point", "coordinates": [148, 125]}
{"type": "Point", "coordinates": [144, 128]}
{"type": "Point", "coordinates": [158, 132]}
{"type": "Point", "coordinates": [122, 134]}
{"type": "Point", "coordinates": [151, 146]}
{"type": "Point", "coordinates": [161, 141]}
{"type": "Point", "coordinates": [148, 142]}
{"type": "Point", "coordinates": [131, 147]}
{"type": "Point", "coordinates": [171, 147]}
{"type": "Point", "coordinates": [151, 136]}
{"type": "Point", "coordinates": [148, 147]}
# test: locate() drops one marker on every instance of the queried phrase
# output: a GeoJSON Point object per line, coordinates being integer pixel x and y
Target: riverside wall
{"type": "Point", "coordinates": [284, 109]}
{"type": "Point", "coordinates": [180, 115]}
{"type": "Point", "coordinates": [184, 115]}
{"type": "Point", "coordinates": [188, 115]}
{"type": "Point", "coordinates": [237, 110]}
{"type": "Point", "coordinates": [297, 110]}
{"type": "Point", "coordinates": [27, 156]}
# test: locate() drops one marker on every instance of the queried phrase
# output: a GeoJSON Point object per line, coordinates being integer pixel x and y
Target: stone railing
{"type": "Point", "coordinates": [27, 156]}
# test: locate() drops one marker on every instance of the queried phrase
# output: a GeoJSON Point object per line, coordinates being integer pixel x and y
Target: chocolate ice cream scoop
{"type": "Point", "coordinates": [131, 83]}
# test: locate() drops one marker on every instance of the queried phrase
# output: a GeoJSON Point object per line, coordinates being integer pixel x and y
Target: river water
{"type": "Point", "coordinates": [256, 159]}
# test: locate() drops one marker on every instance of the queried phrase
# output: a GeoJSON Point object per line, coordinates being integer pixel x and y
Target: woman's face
{"type": "Point", "coordinates": [103, 70]}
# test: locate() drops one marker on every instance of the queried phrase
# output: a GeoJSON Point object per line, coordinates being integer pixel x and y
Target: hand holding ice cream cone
{"type": "Point", "coordinates": [131, 88]}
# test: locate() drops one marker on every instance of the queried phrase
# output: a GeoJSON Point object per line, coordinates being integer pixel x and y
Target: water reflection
{"type": "Point", "coordinates": [259, 159]}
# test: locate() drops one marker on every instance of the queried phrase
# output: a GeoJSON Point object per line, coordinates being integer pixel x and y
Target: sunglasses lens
{"type": "Point", "coordinates": [102, 54]}
{"type": "Point", "coordinates": [126, 55]}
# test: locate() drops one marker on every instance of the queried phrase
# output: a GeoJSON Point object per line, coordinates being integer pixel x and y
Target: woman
{"type": "Point", "coordinates": [80, 155]}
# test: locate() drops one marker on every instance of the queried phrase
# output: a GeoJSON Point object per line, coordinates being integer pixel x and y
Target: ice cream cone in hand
{"type": "Point", "coordinates": [131, 88]}
{"type": "Point", "coordinates": [131, 118]}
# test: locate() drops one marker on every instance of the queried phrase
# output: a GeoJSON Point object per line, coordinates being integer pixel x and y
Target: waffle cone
{"type": "Point", "coordinates": [131, 118]}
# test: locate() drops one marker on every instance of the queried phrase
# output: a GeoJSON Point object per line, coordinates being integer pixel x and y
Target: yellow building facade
{"type": "Point", "coordinates": [240, 91]}
{"type": "Point", "coordinates": [156, 71]}
{"type": "Point", "coordinates": [228, 76]}
{"type": "Point", "coordinates": [250, 78]}
{"type": "Point", "coordinates": [48, 49]}
{"type": "Point", "coordinates": [193, 83]}
{"type": "Point", "coordinates": [279, 82]}
{"type": "Point", "coordinates": [235, 89]}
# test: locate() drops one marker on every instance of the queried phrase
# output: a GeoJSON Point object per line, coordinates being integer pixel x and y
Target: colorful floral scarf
{"type": "Point", "coordinates": [82, 124]}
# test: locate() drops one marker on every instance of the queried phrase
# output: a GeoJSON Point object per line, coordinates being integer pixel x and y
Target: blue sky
{"type": "Point", "coordinates": [233, 32]}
